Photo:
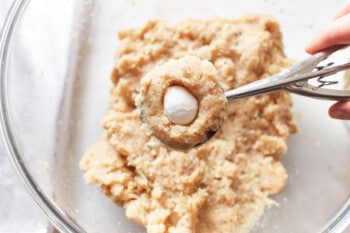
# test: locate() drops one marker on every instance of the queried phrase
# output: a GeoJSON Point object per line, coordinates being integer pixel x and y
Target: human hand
{"type": "Point", "coordinates": [336, 33]}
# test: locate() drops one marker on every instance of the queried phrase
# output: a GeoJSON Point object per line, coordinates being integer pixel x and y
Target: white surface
{"type": "Point", "coordinates": [18, 212]}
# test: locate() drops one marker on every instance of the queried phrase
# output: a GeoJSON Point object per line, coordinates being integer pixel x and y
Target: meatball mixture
{"type": "Point", "coordinates": [223, 185]}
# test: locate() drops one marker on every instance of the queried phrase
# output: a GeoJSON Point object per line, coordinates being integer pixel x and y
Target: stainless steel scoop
{"type": "Point", "coordinates": [294, 79]}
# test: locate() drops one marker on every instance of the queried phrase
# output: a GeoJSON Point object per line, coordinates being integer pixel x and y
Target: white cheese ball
{"type": "Point", "coordinates": [180, 106]}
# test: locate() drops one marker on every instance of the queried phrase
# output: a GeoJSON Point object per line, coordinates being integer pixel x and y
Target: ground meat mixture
{"type": "Point", "coordinates": [223, 185]}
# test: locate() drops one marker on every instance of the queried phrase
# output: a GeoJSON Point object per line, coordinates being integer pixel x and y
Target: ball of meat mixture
{"type": "Point", "coordinates": [181, 102]}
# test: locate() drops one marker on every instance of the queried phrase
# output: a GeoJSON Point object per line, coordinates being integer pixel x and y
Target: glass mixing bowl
{"type": "Point", "coordinates": [56, 58]}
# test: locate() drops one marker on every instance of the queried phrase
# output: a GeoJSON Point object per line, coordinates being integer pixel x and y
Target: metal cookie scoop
{"type": "Point", "coordinates": [294, 79]}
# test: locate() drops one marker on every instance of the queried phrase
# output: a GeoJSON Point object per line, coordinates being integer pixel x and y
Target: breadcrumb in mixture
{"type": "Point", "coordinates": [223, 185]}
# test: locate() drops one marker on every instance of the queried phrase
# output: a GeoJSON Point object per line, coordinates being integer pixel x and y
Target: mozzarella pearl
{"type": "Point", "coordinates": [180, 106]}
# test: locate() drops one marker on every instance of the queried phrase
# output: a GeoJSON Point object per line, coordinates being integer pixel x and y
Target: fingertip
{"type": "Point", "coordinates": [314, 45]}
{"type": "Point", "coordinates": [310, 49]}
{"type": "Point", "coordinates": [340, 110]}
{"type": "Point", "coordinates": [319, 42]}
{"type": "Point", "coordinates": [332, 112]}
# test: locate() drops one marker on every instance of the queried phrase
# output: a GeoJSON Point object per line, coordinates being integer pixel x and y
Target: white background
{"type": "Point", "coordinates": [18, 212]}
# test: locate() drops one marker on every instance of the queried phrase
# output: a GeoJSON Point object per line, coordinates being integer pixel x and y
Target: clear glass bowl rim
{"type": "Point", "coordinates": [57, 217]}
